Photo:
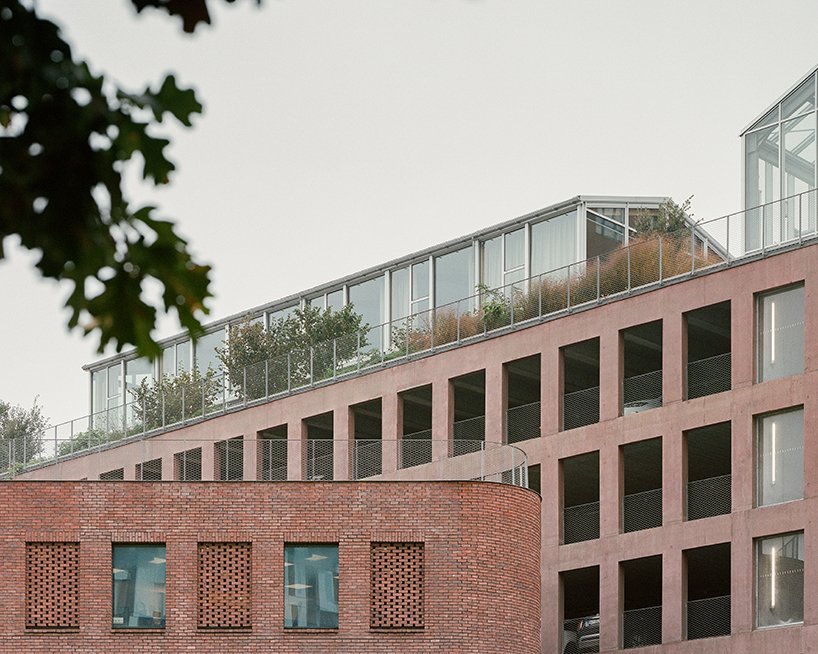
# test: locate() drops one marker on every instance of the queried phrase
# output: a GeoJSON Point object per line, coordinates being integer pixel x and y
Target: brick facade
{"type": "Point", "coordinates": [462, 547]}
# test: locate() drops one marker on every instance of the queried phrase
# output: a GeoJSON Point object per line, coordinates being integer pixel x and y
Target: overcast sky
{"type": "Point", "coordinates": [339, 134]}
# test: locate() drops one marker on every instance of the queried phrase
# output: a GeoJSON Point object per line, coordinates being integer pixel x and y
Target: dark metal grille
{"type": "Point", "coordinates": [641, 627]}
{"type": "Point", "coordinates": [642, 510]}
{"type": "Point", "coordinates": [580, 408]}
{"type": "Point", "coordinates": [708, 497]}
{"type": "Point", "coordinates": [523, 422]}
{"type": "Point", "coordinates": [708, 376]}
{"type": "Point", "coordinates": [580, 522]}
{"type": "Point", "coordinates": [708, 618]}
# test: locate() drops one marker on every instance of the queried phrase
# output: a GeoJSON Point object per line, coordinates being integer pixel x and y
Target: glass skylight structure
{"type": "Point", "coordinates": [445, 276]}
{"type": "Point", "coordinates": [779, 164]}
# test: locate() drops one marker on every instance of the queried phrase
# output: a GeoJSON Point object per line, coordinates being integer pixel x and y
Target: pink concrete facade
{"type": "Point", "coordinates": [739, 285]}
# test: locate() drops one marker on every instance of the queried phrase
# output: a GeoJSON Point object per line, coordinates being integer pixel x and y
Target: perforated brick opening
{"type": "Point", "coordinates": [225, 585]}
{"type": "Point", "coordinates": [52, 585]}
{"type": "Point", "coordinates": [396, 598]}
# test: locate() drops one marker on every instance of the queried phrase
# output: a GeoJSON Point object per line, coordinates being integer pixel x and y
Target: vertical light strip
{"type": "Point", "coordinates": [772, 331]}
{"type": "Point", "coordinates": [772, 461]}
{"type": "Point", "coordinates": [772, 578]}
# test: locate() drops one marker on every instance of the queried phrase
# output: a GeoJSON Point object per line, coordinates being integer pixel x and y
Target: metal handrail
{"type": "Point", "coordinates": [676, 254]}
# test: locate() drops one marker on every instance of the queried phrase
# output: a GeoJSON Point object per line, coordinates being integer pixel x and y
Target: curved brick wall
{"type": "Point", "coordinates": [481, 562]}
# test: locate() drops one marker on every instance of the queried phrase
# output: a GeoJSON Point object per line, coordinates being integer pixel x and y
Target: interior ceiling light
{"type": "Point", "coordinates": [298, 586]}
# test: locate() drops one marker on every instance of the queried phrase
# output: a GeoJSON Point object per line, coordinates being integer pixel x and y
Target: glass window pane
{"type": "Point", "coordinates": [136, 370]}
{"type": "Point", "coordinates": [99, 385]}
{"type": "Point", "coordinates": [614, 213]}
{"type": "Point", "coordinates": [515, 250]}
{"type": "Point", "coordinates": [762, 183]}
{"type": "Point", "coordinates": [420, 280]}
{"type": "Point", "coordinates": [311, 586]}
{"type": "Point", "coordinates": [167, 360]}
{"type": "Point", "coordinates": [781, 334]}
{"type": "Point", "coordinates": [767, 119]}
{"type": "Point", "coordinates": [206, 358]}
{"type": "Point", "coordinates": [183, 357]}
{"type": "Point", "coordinates": [399, 283]}
{"type": "Point", "coordinates": [492, 262]}
{"type": "Point", "coordinates": [799, 101]}
{"type": "Point", "coordinates": [316, 302]}
{"type": "Point", "coordinates": [780, 580]}
{"type": "Point", "coordinates": [114, 385]}
{"type": "Point", "coordinates": [280, 314]}
{"type": "Point", "coordinates": [780, 457]}
{"type": "Point", "coordinates": [554, 243]}
{"type": "Point", "coordinates": [367, 300]}
{"type": "Point", "coordinates": [454, 278]}
{"type": "Point", "coordinates": [138, 586]}
{"type": "Point", "coordinates": [335, 300]}
{"type": "Point", "coordinates": [601, 234]}
{"type": "Point", "coordinates": [799, 155]}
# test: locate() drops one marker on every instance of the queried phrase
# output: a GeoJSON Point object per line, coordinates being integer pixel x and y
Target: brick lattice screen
{"type": "Point", "coordinates": [396, 599]}
{"type": "Point", "coordinates": [224, 585]}
{"type": "Point", "coordinates": [52, 585]}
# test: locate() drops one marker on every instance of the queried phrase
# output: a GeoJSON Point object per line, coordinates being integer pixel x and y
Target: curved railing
{"type": "Point", "coordinates": [646, 262]}
{"type": "Point", "coordinates": [270, 459]}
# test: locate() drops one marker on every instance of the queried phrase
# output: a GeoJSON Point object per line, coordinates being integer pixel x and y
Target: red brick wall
{"type": "Point", "coordinates": [480, 561]}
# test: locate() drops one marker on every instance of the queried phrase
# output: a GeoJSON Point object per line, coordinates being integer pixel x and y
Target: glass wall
{"type": "Point", "coordinates": [601, 234]}
{"type": "Point", "coordinates": [206, 357]}
{"type": "Point", "coordinates": [780, 580]}
{"type": "Point", "coordinates": [780, 457]}
{"type": "Point", "coordinates": [280, 314]}
{"type": "Point", "coordinates": [780, 338]}
{"type": "Point", "coordinates": [504, 259]}
{"type": "Point", "coordinates": [138, 586]}
{"type": "Point", "coordinates": [176, 358]}
{"type": "Point", "coordinates": [311, 586]}
{"type": "Point", "coordinates": [554, 243]}
{"type": "Point", "coordinates": [454, 278]}
{"type": "Point", "coordinates": [367, 299]}
{"type": "Point", "coordinates": [779, 161]}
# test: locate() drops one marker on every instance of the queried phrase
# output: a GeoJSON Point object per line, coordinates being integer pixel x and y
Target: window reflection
{"type": "Point", "coordinates": [780, 580]}
{"type": "Point", "coordinates": [780, 338]}
{"type": "Point", "coordinates": [206, 357]}
{"type": "Point", "coordinates": [780, 463]}
{"type": "Point", "coordinates": [311, 586]}
{"type": "Point", "coordinates": [554, 243]}
{"type": "Point", "coordinates": [454, 278]}
{"type": "Point", "coordinates": [138, 586]}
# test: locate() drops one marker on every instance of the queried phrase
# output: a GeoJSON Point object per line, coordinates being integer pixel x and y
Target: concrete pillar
{"type": "Point", "coordinates": [496, 401]}
{"type": "Point", "coordinates": [208, 461]}
{"type": "Point", "coordinates": [610, 375]}
{"type": "Point", "coordinates": [742, 578]}
{"type": "Point", "coordinates": [610, 604]}
{"type": "Point", "coordinates": [673, 475]}
{"type": "Point", "coordinates": [168, 467]}
{"type": "Point", "coordinates": [442, 417]}
{"type": "Point", "coordinates": [610, 489]}
{"type": "Point", "coordinates": [742, 338]}
{"type": "Point", "coordinates": [673, 593]}
{"type": "Point", "coordinates": [674, 344]}
{"type": "Point", "coordinates": [551, 374]}
{"type": "Point", "coordinates": [391, 431]}
{"type": "Point", "coordinates": [250, 458]}
{"type": "Point", "coordinates": [296, 435]}
{"type": "Point", "coordinates": [343, 445]}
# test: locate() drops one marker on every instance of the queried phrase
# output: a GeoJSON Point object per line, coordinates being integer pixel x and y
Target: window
{"type": "Point", "coordinates": [781, 333]}
{"type": "Point", "coordinates": [138, 586]}
{"type": "Point", "coordinates": [554, 243]}
{"type": "Point", "coordinates": [206, 356]}
{"type": "Point", "coordinates": [780, 457]}
{"type": "Point", "coordinates": [454, 278]}
{"type": "Point", "coordinates": [311, 586]}
{"type": "Point", "coordinates": [780, 580]}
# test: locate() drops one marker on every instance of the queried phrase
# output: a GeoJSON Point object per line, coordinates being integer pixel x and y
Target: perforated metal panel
{"type": "Point", "coordinates": [397, 585]}
{"type": "Point", "coordinates": [149, 471]}
{"type": "Point", "coordinates": [52, 585]}
{"type": "Point", "coordinates": [113, 475]}
{"type": "Point", "coordinates": [225, 574]}
{"type": "Point", "coordinates": [188, 465]}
